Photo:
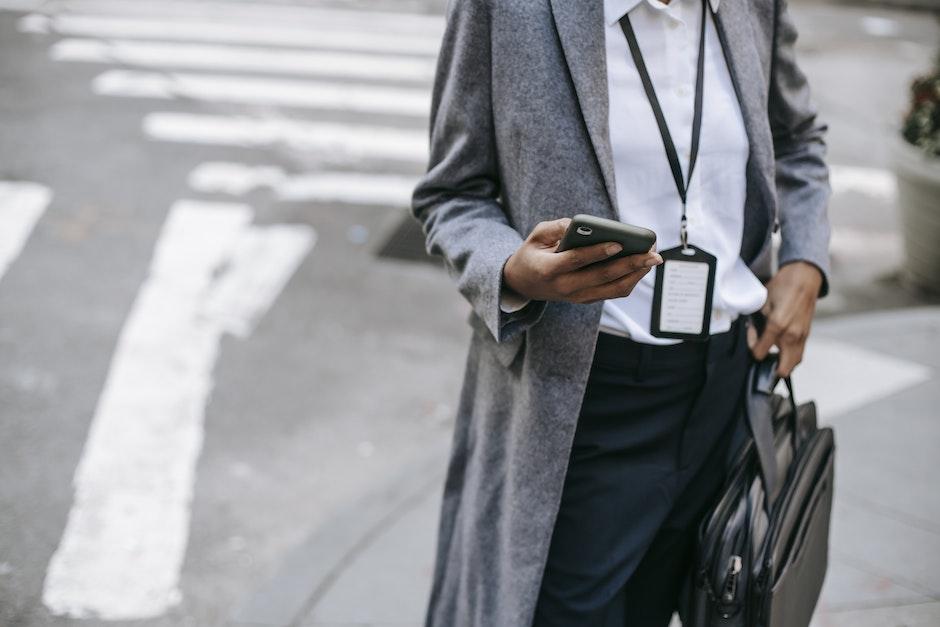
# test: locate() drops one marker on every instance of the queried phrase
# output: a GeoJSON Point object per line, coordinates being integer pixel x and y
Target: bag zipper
{"type": "Point", "coordinates": [729, 591]}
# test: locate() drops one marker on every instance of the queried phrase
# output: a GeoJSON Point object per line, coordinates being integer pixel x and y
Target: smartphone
{"type": "Point", "coordinates": [586, 230]}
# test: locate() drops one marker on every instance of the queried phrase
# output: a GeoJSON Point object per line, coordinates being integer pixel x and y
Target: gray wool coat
{"type": "Point", "coordinates": [519, 134]}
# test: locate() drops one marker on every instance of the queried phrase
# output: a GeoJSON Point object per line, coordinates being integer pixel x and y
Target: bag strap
{"type": "Point", "coordinates": [762, 379]}
{"type": "Point", "coordinates": [760, 384]}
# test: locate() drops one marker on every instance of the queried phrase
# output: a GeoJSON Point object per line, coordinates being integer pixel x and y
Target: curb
{"type": "Point", "coordinates": [309, 570]}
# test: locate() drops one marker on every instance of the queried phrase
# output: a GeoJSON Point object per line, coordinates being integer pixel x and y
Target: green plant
{"type": "Point", "coordinates": [922, 123]}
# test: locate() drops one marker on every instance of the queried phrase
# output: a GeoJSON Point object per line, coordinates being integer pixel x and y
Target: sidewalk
{"type": "Point", "coordinates": [875, 378]}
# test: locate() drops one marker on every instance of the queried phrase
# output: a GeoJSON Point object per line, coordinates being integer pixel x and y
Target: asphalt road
{"type": "Point", "coordinates": [339, 387]}
{"type": "Point", "coordinates": [343, 374]}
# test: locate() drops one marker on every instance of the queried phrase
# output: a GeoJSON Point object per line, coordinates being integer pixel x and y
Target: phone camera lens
{"type": "Point", "coordinates": [584, 230]}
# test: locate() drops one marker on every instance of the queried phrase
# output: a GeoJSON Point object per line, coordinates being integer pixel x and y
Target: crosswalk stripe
{"type": "Point", "coordinates": [848, 242]}
{"type": "Point", "coordinates": [265, 91]}
{"type": "Point", "coordinates": [874, 182]}
{"type": "Point", "coordinates": [864, 376]}
{"type": "Point", "coordinates": [243, 59]}
{"type": "Point", "coordinates": [120, 554]}
{"type": "Point", "coordinates": [247, 12]}
{"type": "Point", "coordinates": [20, 5]}
{"type": "Point", "coordinates": [21, 205]}
{"type": "Point", "coordinates": [212, 31]}
{"type": "Point", "coordinates": [347, 187]}
{"type": "Point", "coordinates": [263, 261]}
{"type": "Point", "coordinates": [333, 140]}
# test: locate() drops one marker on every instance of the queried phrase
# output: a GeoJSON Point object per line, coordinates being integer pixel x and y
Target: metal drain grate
{"type": "Point", "coordinates": [406, 242]}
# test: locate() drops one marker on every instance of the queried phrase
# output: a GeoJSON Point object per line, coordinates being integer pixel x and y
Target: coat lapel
{"type": "Point", "coordinates": [580, 27]}
{"type": "Point", "coordinates": [750, 84]}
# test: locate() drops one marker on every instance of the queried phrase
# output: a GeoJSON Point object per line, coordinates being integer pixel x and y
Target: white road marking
{"type": "Point", "coordinates": [236, 179]}
{"type": "Point", "coordinates": [212, 31]}
{"type": "Point", "coordinates": [264, 259]}
{"type": "Point", "coordinates": [244, 59]}
{"type": "Point", "coordinates": [333, 140]}
{"type": "Point", "coordinates": [34, 23]}
{"type": "Point", "coordinates": [264, 91]}
{"type": "Point", "coordinates": [251, 12]}
{"type": "Point", "coordinates": [864, 243]}
{"type": "Point", "coordinates": [864, 376]}
{"type": "Point", "coordinates": [366, 189]}
{"type": "Point", "coordinates": [874, 182]}
{"type": "Point", "coordinates": [880, 26]}
{"type": "Point", "coordinates": [348, 187]}
{"type": "Point", "coordinates": [125, 539]}
{"type": "Point", "coordinates": [21, 5]}
{"type": "Point", "coordinates": [21, 205]}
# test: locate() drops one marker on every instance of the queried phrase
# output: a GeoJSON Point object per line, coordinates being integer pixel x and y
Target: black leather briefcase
{"type": "Point", "coordinates": [762, 550]}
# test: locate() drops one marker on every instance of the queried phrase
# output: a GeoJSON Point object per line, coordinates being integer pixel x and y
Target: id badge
{"type": "Point", "coordinates": [682, 298]}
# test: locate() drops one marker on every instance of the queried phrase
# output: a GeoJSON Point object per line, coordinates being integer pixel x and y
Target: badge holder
{"type": "Point", "coordinates": [682, 298]}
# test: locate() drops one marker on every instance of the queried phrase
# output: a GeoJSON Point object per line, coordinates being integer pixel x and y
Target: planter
{"type": "Point", "coordinates": [918, 176]}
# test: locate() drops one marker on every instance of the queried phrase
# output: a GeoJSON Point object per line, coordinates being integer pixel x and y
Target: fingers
{"type": "Point", "coordinates": [772, 330]}
{"type": "Point", "coordinates": [613, 270]}
{"type": "Point", "coordinates": [618, 288]}
{"type": "Point", "coordinates": [751, 337]}
{"type": "Point", "coordinates": [549, 232]}
{"type": "Point", "coordinates": [790, 357]}
{"type": "Point", "coordinates": [576, 258]}
{"type": "Point", "coordinates": [607, 272]}
{"type": "Point", "coordinates": [792, 342]}
{"type": "Point", "coordinates": [788, 332]}
{"type": "Point", "coordinates": [764, 343]}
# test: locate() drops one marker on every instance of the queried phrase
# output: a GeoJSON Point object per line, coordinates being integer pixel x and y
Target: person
{"type": "Point", "coordinates": [591, 435]}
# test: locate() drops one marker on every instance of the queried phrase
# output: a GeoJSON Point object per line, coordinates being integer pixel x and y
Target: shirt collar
{"type": "Point", "coordinates": [616, 9]}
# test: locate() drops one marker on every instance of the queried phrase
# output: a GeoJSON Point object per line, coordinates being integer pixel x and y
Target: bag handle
{"type": "Point", "coordinates": [762, 379]}
{"type": "Point", "coordinates": [760, 422]}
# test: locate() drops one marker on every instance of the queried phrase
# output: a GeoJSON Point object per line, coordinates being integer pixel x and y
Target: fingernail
{"type": "Point", "coordinates": [655, 260]}
{"type": "Point", "coordinates": [613, 249]}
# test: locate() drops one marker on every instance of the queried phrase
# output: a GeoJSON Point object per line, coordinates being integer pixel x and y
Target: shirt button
{"type": "Point", "coordinates": [673, 25]}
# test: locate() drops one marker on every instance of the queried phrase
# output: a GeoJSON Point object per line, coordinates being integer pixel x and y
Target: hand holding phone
{"type": "Point", "coordinates": [585, 230]}
{"type": "Point", "coordinates": [585, 273]}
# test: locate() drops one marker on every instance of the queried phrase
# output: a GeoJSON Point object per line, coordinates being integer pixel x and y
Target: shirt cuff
{"type": "Point", "coordinates": [510, 302]}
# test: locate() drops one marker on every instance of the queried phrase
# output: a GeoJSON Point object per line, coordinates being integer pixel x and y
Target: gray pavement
{"type": "Point", "coordinates": [885, 542]}
{"type": "Point", "coordinates": [860, 61]}
{"type": "Point", "coordinates": [316, 490]}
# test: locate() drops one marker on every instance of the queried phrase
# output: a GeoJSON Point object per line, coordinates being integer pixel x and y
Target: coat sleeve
{"type": "Point", "coordinates": [802, 176]}
{"type": "Point", "coordinates": [457, 200]}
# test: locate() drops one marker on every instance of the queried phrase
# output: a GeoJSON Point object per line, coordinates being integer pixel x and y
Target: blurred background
{"type": "Point", "coordinates": [228, 371]}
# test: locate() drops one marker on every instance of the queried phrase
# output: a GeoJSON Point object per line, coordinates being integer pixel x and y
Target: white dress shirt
{"type": "Point", "coordinates": [668, 36]}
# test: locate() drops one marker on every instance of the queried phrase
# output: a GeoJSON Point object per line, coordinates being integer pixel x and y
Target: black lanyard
{"type": "Point", "coordinates": [681, 185]}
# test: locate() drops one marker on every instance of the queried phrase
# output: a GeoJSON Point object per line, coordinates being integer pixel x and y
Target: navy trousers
{"type": "Point", "coordinates": [649, 457]}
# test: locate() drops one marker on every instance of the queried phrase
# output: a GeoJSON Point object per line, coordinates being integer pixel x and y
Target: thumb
{"type": "Point", "coordinates": [551, 231]}
{"type": "Point", "coordinates": [751, 336]}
